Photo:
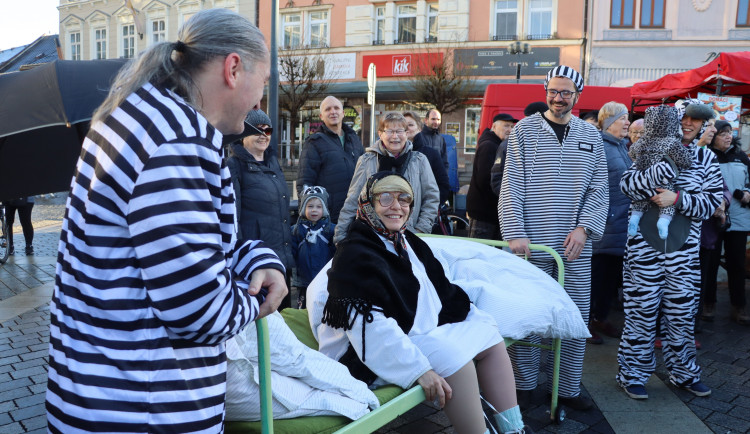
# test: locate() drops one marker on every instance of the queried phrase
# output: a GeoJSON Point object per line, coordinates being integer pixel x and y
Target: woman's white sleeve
{"type": "Point", "coordinates": [389, 352]}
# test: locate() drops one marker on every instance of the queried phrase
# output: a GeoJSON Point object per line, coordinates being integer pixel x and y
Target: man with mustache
{"type": "Point", "coordinates": [555, 192]}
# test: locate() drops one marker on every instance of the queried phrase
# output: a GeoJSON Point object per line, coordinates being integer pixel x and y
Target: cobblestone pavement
{"type": "Point", "coordinates": [725, 358]}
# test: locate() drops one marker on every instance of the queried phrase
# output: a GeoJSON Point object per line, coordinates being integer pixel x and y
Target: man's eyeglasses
{"type": "Point", "coordinates": [394, 132]}
{"type": "Point", "coordinates": [637, 133]}
{"type": "Point", "coordinates": [267, 131]}
{"type": "Point", "coordinates": [386, 199]}
{"type": "Point", "coordinates": [565, 94]}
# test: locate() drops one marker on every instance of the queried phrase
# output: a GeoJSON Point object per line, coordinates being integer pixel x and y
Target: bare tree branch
{"type": "Point", "coordinates": [303, 78]}
{"type": "Point", "coordinates": [440, 83]}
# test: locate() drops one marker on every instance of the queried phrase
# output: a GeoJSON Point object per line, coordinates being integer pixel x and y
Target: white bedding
{"type": "Point", "coordinates": [523, 299]}
{"type": "Point", "coordinates": [305, 382]}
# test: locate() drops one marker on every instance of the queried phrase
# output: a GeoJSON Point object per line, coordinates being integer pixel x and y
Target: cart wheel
{"type": "Point", "coordinates": [559, 414]}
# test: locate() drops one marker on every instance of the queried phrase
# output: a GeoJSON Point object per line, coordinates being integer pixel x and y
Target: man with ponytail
{"type": "Point", "coordinates": [150, 280]}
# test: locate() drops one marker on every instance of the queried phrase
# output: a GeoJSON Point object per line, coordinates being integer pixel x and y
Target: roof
{"type": "Point", "coordinates": [728, 73]}
{"type": "Point", "coordinates": [42, 50]}
{"type": "Point", "coordinates": [10, 52]}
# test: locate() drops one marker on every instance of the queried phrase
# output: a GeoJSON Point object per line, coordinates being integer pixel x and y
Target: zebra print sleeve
{"type": "Point", "coordinates": [640, 184]}
{"type": "Point", "coordinates": [701, 193]}
{"type": "Point", "coordinates": [175, 226]}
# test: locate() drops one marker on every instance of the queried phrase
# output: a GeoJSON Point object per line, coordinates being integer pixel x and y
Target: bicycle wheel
{"type": "Point", "coordinates": [4, 245]}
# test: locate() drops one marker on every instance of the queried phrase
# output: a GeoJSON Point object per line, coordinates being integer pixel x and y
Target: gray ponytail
{"type": "Point", "coordinates": [209, 34]}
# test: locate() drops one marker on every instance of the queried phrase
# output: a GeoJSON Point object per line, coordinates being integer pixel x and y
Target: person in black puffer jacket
{"type": "Point", "coordinates": [481, 200]}
{"type": "Point", "coordinates": [432, 138]}
{"type": "Point", "coordinates": [260, 192]}
{"type": "Point", "coordinates": [413, 125]}
{"type": "Point", "coordinates": [329, 156]}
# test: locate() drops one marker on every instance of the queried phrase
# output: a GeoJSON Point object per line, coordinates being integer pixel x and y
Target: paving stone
{"type": "Point", "coordinates": [30, 400]}
{"type": "Point", "coordinates": [41, 351]}
{"type": "Point", "coordinates": [701, 412]}
{"type": "Point", "coordinates": [35, 423]}
{"type": "Point", "coordinates": [39, 361]}
{"type": "Point", "coordinates": [40, 379]}
{"type": "Point", "coordinates": [29, 372]}
{"type": "Point", "coordinates": [38, 388]}
{"type": "Point", "coordinates": [5, 420]}
{"type": "Point", "coordinates": [28, 412]}
{"type": "Point", "coordinates": [14, 384]}
{"type": "Point", "coordinates": [7, 360]}
{"type": "Point", "coordinates": [743, 401]}
{"type": "Point", "coordinates": [13, 394]}
{"type": "Point", "coordinates": [14, 427]}
{"type": "Point", "coordinates": [740, 413]}
{"type": "Point", "coordinates": [730, 422]}
{"type": "Point", "coordinates": [603, 428]}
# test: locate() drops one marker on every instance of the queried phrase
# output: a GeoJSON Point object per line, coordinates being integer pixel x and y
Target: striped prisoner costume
{"type": "Point", "coordinates": [550, 188]}
{"type": "Point", "coordinates": [148, 286]}
{"type": "Point", "coordinates": [670, 283]}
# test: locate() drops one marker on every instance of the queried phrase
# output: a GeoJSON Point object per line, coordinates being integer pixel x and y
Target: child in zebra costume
{"type": "Point", "coordinates": [667, 280]}
{"type": "Point", "coordinates": [661, 139]}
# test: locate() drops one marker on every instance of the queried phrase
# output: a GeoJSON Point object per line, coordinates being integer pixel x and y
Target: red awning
{"type": "Point", "coordinates": [729, 71]}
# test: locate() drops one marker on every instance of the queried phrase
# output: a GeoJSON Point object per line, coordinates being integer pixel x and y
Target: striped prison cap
{"type": "Point", "coordinates": [567, 72]}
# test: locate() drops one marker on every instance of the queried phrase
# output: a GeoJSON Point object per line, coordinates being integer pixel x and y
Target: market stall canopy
{"type": "Point", "coordinates": [727, 74]}
{"type": "Point", "coordinates": [44, 117]}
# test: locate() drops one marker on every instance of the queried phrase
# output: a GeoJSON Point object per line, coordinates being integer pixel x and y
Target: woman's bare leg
{"type": "Point", "coordinates": [495, 375]}
{"type": "Point", "coordinates": [464, 409]}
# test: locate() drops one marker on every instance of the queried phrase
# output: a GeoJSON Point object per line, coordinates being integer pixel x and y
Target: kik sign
{"type": "Point", "coordinates": [401, 64]}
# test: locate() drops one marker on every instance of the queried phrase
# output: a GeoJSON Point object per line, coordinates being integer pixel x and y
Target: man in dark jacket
{"type": "Point", "coordinates": [481, 201]}
{"type": "Point", "coordinates": [330, 155]}
{"type": "Point", "coordinates": [436, 164]}
{"type": "Point", "coordinates": [431, 135]}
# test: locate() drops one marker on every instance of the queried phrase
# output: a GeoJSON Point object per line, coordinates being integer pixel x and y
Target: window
{"type": "Point", "coordinates": [100, 43]}
{"type": "Point", "coordinates": [743, 14]}
{"type": "Point", "coordinates": [432, 23]}
{"type": "Point", "coordinates": [379, 26]}
{"type": "Point", "coordinates": [506, 17]}
{"type": "Point", "coordinates": [75, 46]}
{"type": "Point", "coordinates": [128, 41]}
{"type": "Point", "coordinates": [318, 28]}
{"type": "Point", "coordinates": [292, 30]}
{"type": "Point", "coordinates": [622, 13]}
{"type": "Point", "coordinates": [158, 31]}
{"type": "Point", "coordinates": [652, 13]}
{"type": "Point", "coordinates": [407, 24]}
{"type": "Point", "coordinates": [540, 19]}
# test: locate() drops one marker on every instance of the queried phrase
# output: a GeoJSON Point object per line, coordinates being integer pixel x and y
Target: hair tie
{"type": "Point", "coordinates": [179, 46]}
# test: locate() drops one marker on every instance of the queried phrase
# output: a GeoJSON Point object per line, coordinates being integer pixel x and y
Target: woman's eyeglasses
{"type": "Point", "coordinates": [267, 131]}
{"type": "Point", "coordinates": [386, 199]}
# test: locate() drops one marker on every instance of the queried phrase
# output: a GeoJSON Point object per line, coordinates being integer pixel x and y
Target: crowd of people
{"type": "Point", "coordinates": [178, 235]}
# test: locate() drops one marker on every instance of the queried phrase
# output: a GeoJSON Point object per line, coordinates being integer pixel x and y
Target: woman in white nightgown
{"type": "Point", "coordinates": [405, 323]}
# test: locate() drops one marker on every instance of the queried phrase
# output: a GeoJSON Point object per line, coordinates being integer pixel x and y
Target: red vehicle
{"type": "Point", "coordinates": [513, 98]}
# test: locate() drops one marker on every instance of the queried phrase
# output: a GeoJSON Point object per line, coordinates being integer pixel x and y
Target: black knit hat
{"type": "Point", "coordinates": [535, 107]}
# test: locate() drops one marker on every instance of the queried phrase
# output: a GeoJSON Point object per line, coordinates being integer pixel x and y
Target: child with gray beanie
{"type": "Point", "coordinates": [312, 238]}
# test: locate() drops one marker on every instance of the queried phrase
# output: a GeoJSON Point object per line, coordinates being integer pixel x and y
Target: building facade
{"type": "Point", "coordinates": [400, 35]}
{"type": "Point", "coordinates": [642, 40]}
{"type": "Point", "coordinates": [103, 29]}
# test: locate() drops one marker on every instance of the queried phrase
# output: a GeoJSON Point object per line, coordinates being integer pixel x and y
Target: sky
{"type": "Point", "coordinates": [23, 21]}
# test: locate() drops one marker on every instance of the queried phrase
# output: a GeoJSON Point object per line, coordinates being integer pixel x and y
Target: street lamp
{"type": "Point", "coordinates": [518, 48]}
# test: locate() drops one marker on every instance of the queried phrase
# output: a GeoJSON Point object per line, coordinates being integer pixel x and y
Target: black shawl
{"type": "Point", "coordinates": [366, 277]}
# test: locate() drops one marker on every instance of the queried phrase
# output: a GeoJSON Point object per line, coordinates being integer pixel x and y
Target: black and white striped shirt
{"type": "Point", "coordinates": [550, 188]}
{"type": "Point", "coordinates": [148, 284]}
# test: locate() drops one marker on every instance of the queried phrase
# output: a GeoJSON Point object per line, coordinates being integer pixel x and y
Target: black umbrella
{"type": "Point", "coordinates": [44, 117]}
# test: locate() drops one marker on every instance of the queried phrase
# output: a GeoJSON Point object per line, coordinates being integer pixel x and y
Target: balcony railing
{"type": "Point", "coordinates": [378, 42]}
{"type": "Point", "coordinates": [431, 39]}
{"type": "Point", "coordinates": [504, 37]}
{"type": "Point", "coordinates": [540, 36]}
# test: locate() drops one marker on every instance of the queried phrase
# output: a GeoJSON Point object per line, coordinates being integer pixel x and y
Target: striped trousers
{"type": "Point", "coordinates": [653, 283]}
{"type": "Point", "coordinates": [526, 359]}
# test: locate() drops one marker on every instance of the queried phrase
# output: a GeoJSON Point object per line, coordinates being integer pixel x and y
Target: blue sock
{"type": "Point", "coordinates": [633, 224]}
{"type": "Point", "coordinates": [510, 420]}
{"type": "Point", "coordinates": [663, 226]}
